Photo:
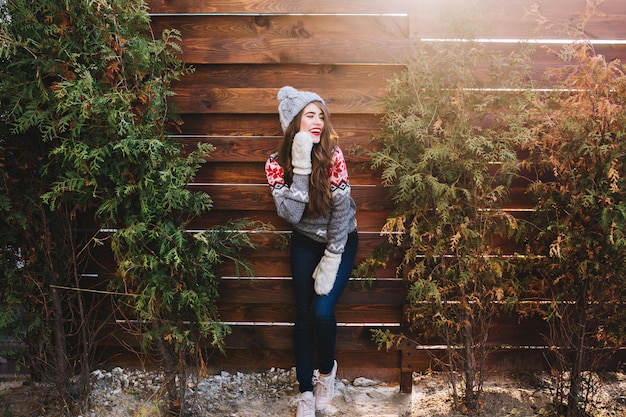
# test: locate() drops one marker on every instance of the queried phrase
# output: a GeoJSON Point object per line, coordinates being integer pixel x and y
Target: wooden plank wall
{"type": "Point", "coordinates": [243, 51]}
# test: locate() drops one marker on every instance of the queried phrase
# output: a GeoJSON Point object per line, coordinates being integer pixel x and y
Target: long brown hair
{"type": "Point", "coordinates": [320, 200]}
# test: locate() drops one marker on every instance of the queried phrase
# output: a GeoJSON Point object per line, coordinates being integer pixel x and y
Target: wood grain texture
{"type": "Point", "coordinates": [254, 172]}
{"type": "Point", "coordinates": [278, 6]}
{"type": "Point", "coordinates": [284, 26]}
{"type": "Point", "coordinates": [198, 99]}
{"type": "Point", "coordinates": [258, 197]}
{"type": "Point", "coordinates": [307, 77]}
{"type": "Point", "coordinates": [360, 126]}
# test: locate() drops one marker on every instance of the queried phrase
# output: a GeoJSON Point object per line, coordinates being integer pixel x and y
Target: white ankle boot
{"type": "Point", "coordinates": [306, 404]}
{"type": "Point", "coordinates": [324, 387]}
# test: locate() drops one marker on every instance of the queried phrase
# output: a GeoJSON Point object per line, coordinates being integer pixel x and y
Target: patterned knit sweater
{"type": "Point", "coordinates": [291, 201]}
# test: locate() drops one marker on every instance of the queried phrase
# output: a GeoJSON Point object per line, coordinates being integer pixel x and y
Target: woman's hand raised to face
{"type": "Point", "coordinates": [301, 153]}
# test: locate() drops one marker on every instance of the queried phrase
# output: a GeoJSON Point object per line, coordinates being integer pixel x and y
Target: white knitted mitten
{"type": "Point", "coordinates": [326, 272]}
{"type": "Point", "coordinates": [301, 153]}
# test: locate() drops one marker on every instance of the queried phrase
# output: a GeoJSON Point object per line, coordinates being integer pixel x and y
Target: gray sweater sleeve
{"type": "Point", "coordinates": [290, 200]}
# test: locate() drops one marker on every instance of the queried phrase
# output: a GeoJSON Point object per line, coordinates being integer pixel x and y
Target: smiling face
{"type": "Point", "coordinates": [312, 121]}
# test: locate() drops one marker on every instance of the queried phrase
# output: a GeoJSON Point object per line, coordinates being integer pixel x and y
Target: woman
{"type": "Point", "coordinates": [309, 183]}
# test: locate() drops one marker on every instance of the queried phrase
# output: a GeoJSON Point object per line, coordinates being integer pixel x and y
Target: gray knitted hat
{"type": "Point", "coordinates": [291, 102]}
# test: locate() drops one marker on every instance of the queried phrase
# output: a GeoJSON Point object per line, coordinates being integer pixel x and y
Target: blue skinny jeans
{"type": "Point", "coordinates": [316, 324]}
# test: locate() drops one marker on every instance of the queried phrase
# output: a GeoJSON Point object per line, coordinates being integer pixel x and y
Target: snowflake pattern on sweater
{"type": "Point", "coordinates": [291, 200]}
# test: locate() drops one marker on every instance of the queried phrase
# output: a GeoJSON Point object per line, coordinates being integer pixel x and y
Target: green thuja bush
{"type": "Point", "coordinates": [84, 88]}
{"type": "Point", "coordinates": [447, 153]}
{"type": "Point", "coordinates": [578, 229]}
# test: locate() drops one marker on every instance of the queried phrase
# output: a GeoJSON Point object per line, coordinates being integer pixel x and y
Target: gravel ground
{"type": "Point", "coordinates": [132, 392]}
{"type": "Point", "coordinates": [121, 392]}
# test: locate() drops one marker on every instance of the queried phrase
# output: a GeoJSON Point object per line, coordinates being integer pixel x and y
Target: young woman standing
{"type": "Point", "coordinates": [309, 183]}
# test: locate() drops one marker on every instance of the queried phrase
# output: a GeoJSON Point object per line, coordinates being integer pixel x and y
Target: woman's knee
{"type": "Point", "coordinates": [324, 313]}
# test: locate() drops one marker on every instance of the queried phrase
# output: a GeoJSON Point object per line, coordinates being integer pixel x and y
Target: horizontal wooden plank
{"type": "Point", "coordinates": [368, 221]}
{"type": "Point", "coordinates": [273, 244]}
{"type": "Point", "coordinates": [367, 197]}
{"type": "Point", "coordinates": [274, 262]}
{"type": "Point", "coordinates": [294, 50]}
{"type": "Point", "coordinates": [270, 259]}
{"type": "Point", "coordinates": [271, 267]}
{"type": "Point", "coordinates": [224, 167]}
{"type": "Point", "coordinates": [489, 26]}
{"type": "Point", "coordinates": [279, 267]}
{"type": "Point", "coordinates": [277, 26]}
{"type": "Point", "coordinates": [258, 197]}
{"type": "Point", "coordinates": [304, 77]}
{"type": "Point", "coordinates": [256, 359]}
{"type": "Point", "coordinates": [238, 149]}
{"type": "Point", "coordinates": [254, 172]}
{"type": "Point", "coordinates": [281, 338]}
{"type": "Point", "coordinates": [502, 360]}
{"type": "Point", "coordinates": [276, 6]}
{"type": "Point", "coordinates": [259, 291]}
{"type": "Point", "coordinates": [241, 160]}
{"type": "Point", "coordinates": [347, 125]}
{"type": "Point", "coordinates": [230, 125]}
{"type": "Point", "coordinates": [351, 333]}
{"type": "Point", "coordinates": [505, 330]}
{"type": "Point", "coordinates": [312, 51]}
{"type": "Point", "coordinates": [285, 313]}
{"type": "Point", "coordinates": [194, 99]}
{"type": "Point", "coordinates": [513, 359]}
{"type": "Point", "coordinates": [514, 19]}
{"type": "Point", "coordinates": [252, 337]}
{"type": "Point", "coordinates": [258, 148]}
{"type": "Point", "coordinates": [350, 51]}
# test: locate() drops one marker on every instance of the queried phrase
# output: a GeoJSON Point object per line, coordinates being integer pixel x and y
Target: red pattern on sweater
{"type": "Point", "coordinates": [338, 171]}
